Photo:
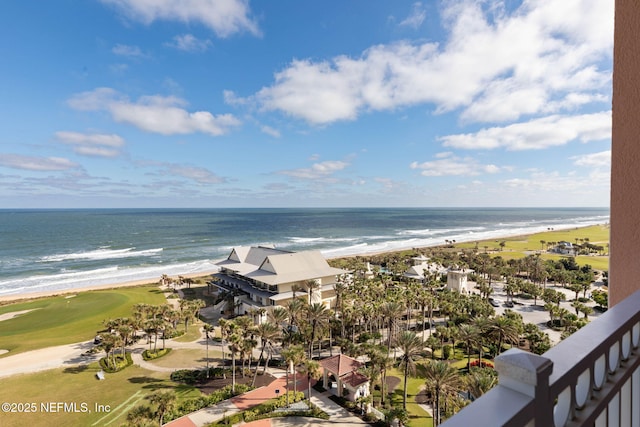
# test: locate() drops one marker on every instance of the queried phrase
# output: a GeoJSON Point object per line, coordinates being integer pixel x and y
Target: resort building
{"type": "Point", "coordinates": [422, 266]}
{"type": "Point", "coordinates": [260, 277]}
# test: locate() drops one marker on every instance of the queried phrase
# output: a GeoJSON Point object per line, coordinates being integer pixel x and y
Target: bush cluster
{"type": "Point", "coordinates": [150, 355]}
{"type": "Point", "coordinates": [482, 364]}
{"type": "Point", "coordinates": [197, 376]}
{"type": "Point", "coordinates": [121, 363]}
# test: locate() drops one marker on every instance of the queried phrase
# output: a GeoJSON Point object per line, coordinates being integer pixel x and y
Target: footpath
{"type": "Point", "coordinates": [338, 416]}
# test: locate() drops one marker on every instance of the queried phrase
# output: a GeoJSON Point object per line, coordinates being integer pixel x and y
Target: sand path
{"type": "Point", "coordinates": [47, 358]}
{"type": "Point", "coordinates": [11, 315]}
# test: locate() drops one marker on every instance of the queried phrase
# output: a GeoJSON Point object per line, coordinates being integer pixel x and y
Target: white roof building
{"type": "Point", "coordinates": [422, 264]}
{"type": "Point", "coordinates": [263, 276]}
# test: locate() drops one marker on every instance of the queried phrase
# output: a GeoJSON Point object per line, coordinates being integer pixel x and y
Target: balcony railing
{"type": "Point", "coordinates": [592, 378]}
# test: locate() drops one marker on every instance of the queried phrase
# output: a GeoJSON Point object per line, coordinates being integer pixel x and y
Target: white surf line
{"type": "Point", "coordinates": [117, 408]}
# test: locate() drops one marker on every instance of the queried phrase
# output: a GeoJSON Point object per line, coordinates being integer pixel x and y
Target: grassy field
{"type": "Point", "coordinates": [120, 391]}
{"type": "Point", "coordinates": [193, 332]}
{"type": "Point", "coordinates": [65, 320]}
{"type": "Point", "coordinates": [418, 417]}
{"type": "Point", "coordinates": [189, 358]}
{"type": "Point", "coordinates": [521, 246]}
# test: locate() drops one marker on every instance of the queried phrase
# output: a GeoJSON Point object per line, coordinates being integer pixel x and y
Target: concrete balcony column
{"type": "Point", "coordinates": [528, 373]}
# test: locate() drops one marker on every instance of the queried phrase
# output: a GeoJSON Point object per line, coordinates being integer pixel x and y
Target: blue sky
{"type": "Point", "coordinates": [231, 103]}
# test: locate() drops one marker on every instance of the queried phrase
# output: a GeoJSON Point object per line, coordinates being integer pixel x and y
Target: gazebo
{"type": "Point", "coordinates": [351, 384]}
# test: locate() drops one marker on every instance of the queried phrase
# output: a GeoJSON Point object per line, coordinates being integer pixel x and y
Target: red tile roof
{"type": "Point", "coordinates": [340, 364]}
{"type": "Point", "coordinates": [354, 379]}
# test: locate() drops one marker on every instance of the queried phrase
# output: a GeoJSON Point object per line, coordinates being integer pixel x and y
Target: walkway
{"type": "Point", "coordinates": [338, 416]}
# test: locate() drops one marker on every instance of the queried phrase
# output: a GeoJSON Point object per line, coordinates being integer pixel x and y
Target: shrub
{"type": "Point", "coordinates": [121, 363]}
{"type": "Point", "coordinates": [446, 352]}
{"type": "Point", "coordinates": [150, 355]}
{"type": "Point", "coordinates": [482, 364]}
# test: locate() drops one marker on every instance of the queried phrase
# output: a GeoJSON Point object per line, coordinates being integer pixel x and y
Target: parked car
{"type": "Point", "coordinates": [509, 304]}
{"type": "Point", "coordinates": [494, 302]}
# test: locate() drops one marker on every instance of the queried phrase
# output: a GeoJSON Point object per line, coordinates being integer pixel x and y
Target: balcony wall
{"type": "Point", "coordinates": [592, 378]}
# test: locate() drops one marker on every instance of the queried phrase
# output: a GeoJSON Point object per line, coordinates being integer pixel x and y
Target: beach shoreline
{"type": "Point", "coordinates": [66, 292]}
{"type": "Point", "coordinates": [12, 298]}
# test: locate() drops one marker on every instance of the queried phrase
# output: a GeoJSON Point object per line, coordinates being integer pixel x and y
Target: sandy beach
{"type": "Point", "coordinates": [33, 295]}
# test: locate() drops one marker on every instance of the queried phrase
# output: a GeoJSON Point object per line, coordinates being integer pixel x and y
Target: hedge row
{"type": "Point", "coordinates": [150, 355]}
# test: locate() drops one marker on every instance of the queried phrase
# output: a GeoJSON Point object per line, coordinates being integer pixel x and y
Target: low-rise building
{"type": "Point", "coordinates": [261, 277]}
{"type": "Point", "coordinates": [340, 374]}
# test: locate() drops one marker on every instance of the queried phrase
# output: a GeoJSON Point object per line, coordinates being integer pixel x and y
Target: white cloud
{"type": "Point", "coordinates": [189, 43]}
{"type": "Point", "coordinates": [317, 170]}
{"type": "Point", "coordinates": [154, 113]}
{"type": "Point", "coordinates": [541, 58]}
{"type": "Point", "coordinates": [536, 134]}
{"type": "Point", "coordinates": [596, 160]}
{"type": "Point", "coordinates": [224, 17]}
{"type": "Point", "coordinates": [416, 18]}
{"type": "Point", "coordinates": [197, 174]}
{"type": "Point", "coordinates": [126, 50]}
{"type": "Point", "coordinates": [32, 163]}
{"type": "Point", "coordinates": [450, 165]}
{"type": "Point", "coordinates": [99, 145]}
{"type": "Point", "coordinates": [270, 131]}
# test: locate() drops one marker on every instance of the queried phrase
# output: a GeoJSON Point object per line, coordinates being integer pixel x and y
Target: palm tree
{"type": "Point", "coordinates": [505, 330]}
{"type": "Point", "coordinates": [267, 332]}
{"type": "Point", "coordinates": [108, 342]}
{"type": "Point", "coordinates": [441, 378]}
{"type": "Point", "coordinates": [468, 334]}
{"type": "Point", "coordinates": [412, 349]}
{"type": "Point", "coordinates": [340, 288]}
{"type": "Point", "coordinates": [311, 368]}
{"type": "Point", "coordinates": [293, 356]}
{"type": "Point", "coordinates": [318, 317]}
{"type": "Point", "coordinates": [294, 309]}
{"type": "Point", "coordinates": [379, 362]}
{"type": "Point", "coordinates": [207, 329]}
{"type": "Point", "coordinates": [480, 381]}
{"type": "Point", "coordinates": [391, 310]}
{"type": "Point", "coordinates": [234, 348]}
{"type": "Point", "coordinates": [164, 399]}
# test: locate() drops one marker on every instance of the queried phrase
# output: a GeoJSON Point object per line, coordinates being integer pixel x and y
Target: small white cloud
{"type": "Point", "coordinates": [596, 160]}
{"type": "Point", "coordinates": [450, 165]}
{"type": "Point", "coordinates": [32, 163]}
{"type": "Point", "coordinates": [157, 114]}
{"type": "Point", "coordinates": [224, 17]}
{"type": "Point", "coordinates": [416, 17]}
{"type": "Point", "coordinates": [193, 173]}
{"type": "Point", "coordinates": [96, 145]}
{"type": "Point", "coordinates": [129, 51]}
{"type": "Point", "coordinates": [317, 170]}
{"type": "Point", "coordinates": [270, 131]}
{"type": "Point", "coordinates": [537, 133]}
{"type": "Point", "coordinates": [189, 43]}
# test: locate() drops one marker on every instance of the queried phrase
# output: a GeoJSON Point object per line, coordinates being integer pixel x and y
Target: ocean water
{"type": "Point", "coordinates": [44, 250]}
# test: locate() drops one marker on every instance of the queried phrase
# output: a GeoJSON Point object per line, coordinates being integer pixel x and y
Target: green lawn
{"type": "Point", "coordinates": [193, 332]}
{"type": "Point", "coordinates": [120, 391]}
{"type": "Point", "coordinates": [65, 320]}
{"type": "Point", "coordinates": [189, 358]}
{"type": "Point", "coordinates": [520, 246]}
{"type": "Point", "coordinates": [418, 417]}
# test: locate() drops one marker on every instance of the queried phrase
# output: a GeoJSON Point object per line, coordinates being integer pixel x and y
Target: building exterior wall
{"type": "Point", "coordinates": [624, 268]}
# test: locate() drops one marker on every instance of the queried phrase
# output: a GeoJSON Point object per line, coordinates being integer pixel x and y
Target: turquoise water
{"type": "Point", "coordinates": [42, 250]}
